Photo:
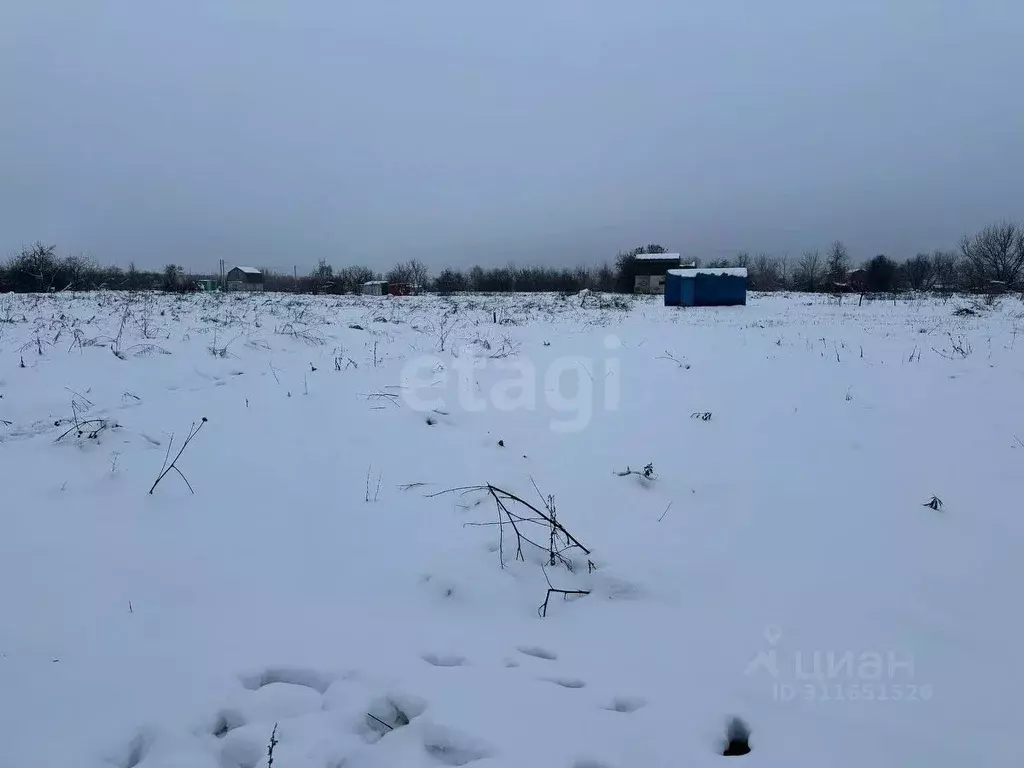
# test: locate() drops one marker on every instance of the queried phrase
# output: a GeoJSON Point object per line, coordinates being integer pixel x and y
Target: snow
{"type": "Point", "coordinates": [733, 271]}
{"type": "Point", "coordinates": [776, 562]}
{"type": "Point", "coordinates": [658, 257]}
{"type": "Point", "coordinates": [249, 270]}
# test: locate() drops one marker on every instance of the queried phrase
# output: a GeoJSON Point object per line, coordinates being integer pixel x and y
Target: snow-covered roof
{"type": "Point", "coordinates": [731, 271]}
{"type": "Point", "coordinates": [248, 270]}
{"type": "Point", "coordinates": [657, 256]}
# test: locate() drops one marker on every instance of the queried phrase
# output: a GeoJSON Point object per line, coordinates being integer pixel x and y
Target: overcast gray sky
{"type": "Point", "coordinates": [275, 132]}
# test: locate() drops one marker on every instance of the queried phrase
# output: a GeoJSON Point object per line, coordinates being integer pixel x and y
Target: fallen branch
{"type": "Point", "coordinates": [669, 356]}
{"type": "Point", "coordinates": [98, 425]}
{"type": "Point", "coordinates": [504, 502]}
{"type": "Point", "coordinates": [647, 473]}
{"type": "Point", "coordinates": [565, 593]}
{"type": "Point", "coordinates": [90, 428]}
{"type": "Point", "coordinates": [410, 486]}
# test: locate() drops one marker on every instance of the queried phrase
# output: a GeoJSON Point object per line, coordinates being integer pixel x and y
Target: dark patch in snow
{"type": "Point", "coordinates": [442, 660]}
{"type": "Point", "coordinates": [537, 652]}
{"type": "Point", "coordinates": [137, 749]}
{"type": "Point", "coordinates": [225, 722]}
{"type": "Point", "coordinates": [451, 748]}
{"type": "Point", "coordinates": [737, 739]}
{"type": "Point", "coordinates": [387, 714]}
{"type": "Point", "coordinates": [626, 704]}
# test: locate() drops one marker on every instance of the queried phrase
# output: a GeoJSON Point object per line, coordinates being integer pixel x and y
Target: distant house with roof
{"type": "Point", "coordinates": [650, 269]}
{"type": "Point", "coordinates": [375, 288]}
{"type": "Point", "coordinates": [244, 279]}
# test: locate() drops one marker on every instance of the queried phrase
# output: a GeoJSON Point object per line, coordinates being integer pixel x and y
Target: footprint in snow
{"type": "Point", "coordinates": [443, 660]}
{"type": "Point", "coordinates": [538, 652]}
{"type": "Point", "coordinates": [450, 747]}
{"type": "Point", "coordinates": [292, 675]}
{"type": "Point", "coordinates": [626, 704]}
{"type": "Point", "coordinates": [566, 682]}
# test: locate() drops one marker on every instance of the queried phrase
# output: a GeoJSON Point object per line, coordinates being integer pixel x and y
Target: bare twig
{"type": "Point", "coordinates": [410, 486]}
{"type": "Point", "coordinates": [565, 593]}
{"type": "Point", "coordinates": [669, 356]}
{"type": "Point", "coordinates": [505, 502]}
{"type": "Point", "coordinates": [390, 397]}
{"type": "Point", "coordinates": [647, 473]}
{"type": "Point", "coordinates": [270, 747]}
{"type": "Point", "coordinates": [665, 512]}
{"type": "Point", "coordinates": [386, 725]}
{"type": "Point", "coordinates": [165, 467]}
{"type": "Point", "coordinates": [376, 492]}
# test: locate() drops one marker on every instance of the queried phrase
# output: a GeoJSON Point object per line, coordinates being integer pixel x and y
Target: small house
{"type": "Point", "coordinates": [375, 288]}
{"type": "Point", "coordinates": [712, 287]}
{"type": "Point", "coordinates": [402, 289]}
{"type": "Point", "coordinates": [857, 279]}
{"type": "Point", "coordinates": [244, 279]}
{"type": "Point", "coordinates": [650, 269]}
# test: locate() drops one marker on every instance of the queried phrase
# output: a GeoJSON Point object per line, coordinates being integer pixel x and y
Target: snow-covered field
{"type": "Point", "coordinates": [779, 564]}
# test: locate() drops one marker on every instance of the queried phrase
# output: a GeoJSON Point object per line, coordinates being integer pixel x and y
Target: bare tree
{"type": "Point", "coordinates": [809, 272]}
{"type": "Point", "coordinates": [450, 281]}
{"type": "Point", "coordinates": [920, 273]}
{"type": "Point", "coordinates": [35, 268]}
{"type": "Point", "coordinates": [413, 272]}
{"type": "Point", "coordinates": [838, 262]}
{"type": "Point", "coordinates": [946, 270]}
{"type": "Point", "coordinates": [174, 277]}
{"type": "Point", "coordinates": [351, 279]}
{"type": "Point", "coordinates": [994, 254]}
{"type": "Point", "coordinates": [765, 272]}
{"type": "Point", "coordinates": [785, 270]}
{"type": "Point", "coordinates": [323, 277]}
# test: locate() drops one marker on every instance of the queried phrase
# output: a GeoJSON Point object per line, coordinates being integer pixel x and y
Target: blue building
{"type": "Point", "coordinates": [713, 287]}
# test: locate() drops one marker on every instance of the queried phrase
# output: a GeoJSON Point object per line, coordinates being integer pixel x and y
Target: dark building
{"type": "Point", "coordinates": [244, 279]}
{"type": "Point", "coordinates": [713, 287]}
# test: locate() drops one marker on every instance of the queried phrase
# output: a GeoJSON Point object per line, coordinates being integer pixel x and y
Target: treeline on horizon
{"type": "Point", "coordinates": [989, 260]}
